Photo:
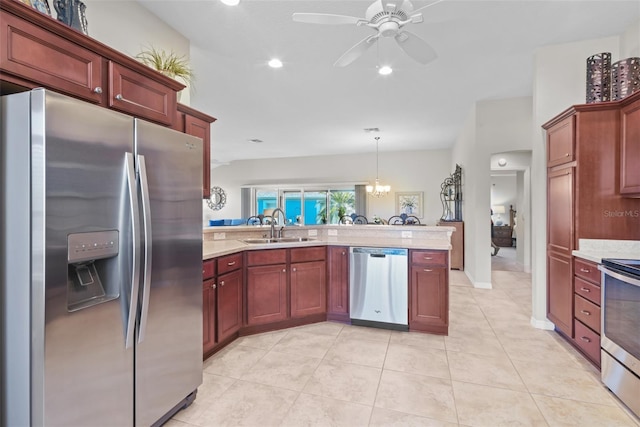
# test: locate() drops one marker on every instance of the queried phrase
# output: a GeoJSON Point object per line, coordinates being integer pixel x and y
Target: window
{"type": "Point", "coordinates": [308, 206]}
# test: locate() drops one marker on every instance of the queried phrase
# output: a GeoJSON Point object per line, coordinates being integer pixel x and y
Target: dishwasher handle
{"type": "Point", "coordinates": [378, 255]}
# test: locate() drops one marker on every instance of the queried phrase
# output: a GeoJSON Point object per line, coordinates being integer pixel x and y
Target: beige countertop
{"type": "Point", "coordinates": [434, 237]}
{"type": "Point", "coordinates": [595, 250]}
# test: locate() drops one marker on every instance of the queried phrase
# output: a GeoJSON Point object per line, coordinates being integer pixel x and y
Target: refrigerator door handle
{"type": "Point", "coordinates": [135, 228]}
{"type": "Point", "coordinates": [146, 215]}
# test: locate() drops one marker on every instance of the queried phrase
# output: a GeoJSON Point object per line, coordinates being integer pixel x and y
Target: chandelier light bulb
{"type": "Point", "coordinates": [378, 190]}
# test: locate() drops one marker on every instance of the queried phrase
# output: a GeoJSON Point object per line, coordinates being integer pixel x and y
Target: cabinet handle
{"type": "Point", "coordinates": [97, 90]}
{"type": "Point", "coordinates": [585, 312]}
{"type": "Point", "coordinates": [584, 270]}
{"type": "Point", "coordinates": [284, 270]}
{"type": "Point", "coordinates": [426, 269]}
{"type": "Point", "coordinates": [428, 257]}
{"type": "Point", "coordinates": [295, 269]}
{"type": "Point", "coordinates": [585, 339]}
{"type": "Point", "coordinates": [585, 289]}
{"type": "Point", "coordinates": [213, 286]}
{"type": "Point", "coordinates": [119, 97]}
{"type": "Point", "coordinates": [566, 154]}
{"type": "Point", "coordinates": [343, 253]}
{"type": "Point", "coordinates": [231, 263]}
{"type": "Point", "coordinates": [202, 271]}
{"type": "Point", "coordinates": [222, 283]}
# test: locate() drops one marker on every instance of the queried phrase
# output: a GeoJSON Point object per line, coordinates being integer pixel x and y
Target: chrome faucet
{"type": "Point", "coordinates": [273, 222]}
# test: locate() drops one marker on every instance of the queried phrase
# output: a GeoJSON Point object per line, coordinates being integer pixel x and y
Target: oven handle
{"type": "Point", "coordinates": [621, 277]}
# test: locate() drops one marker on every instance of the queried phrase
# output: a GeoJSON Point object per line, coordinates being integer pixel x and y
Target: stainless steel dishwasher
{"type": "Point", "coordinates": [378, 285]}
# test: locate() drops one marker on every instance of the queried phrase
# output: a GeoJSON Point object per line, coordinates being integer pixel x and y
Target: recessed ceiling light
{"type": "Point", "coordinates": [230, 2]}
{"type": "Point", "coordinates": [385, 70]}
{"type": "Point", "coordinates": [255, 141]}
{"type": "Point", "coordinates": [369, 130]}
{"type": "Point", "coordinates": [275, 63]}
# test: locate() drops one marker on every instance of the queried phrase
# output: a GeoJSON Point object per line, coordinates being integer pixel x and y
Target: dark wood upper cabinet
{"type": "Point", "coordinates": [561, 211]}
{"type": "Point", "coordinates": [630, 149]}
{"type": "Point", "coordinates": [560, 142]}
{"type": "Point", "coordinates": [136, 94]}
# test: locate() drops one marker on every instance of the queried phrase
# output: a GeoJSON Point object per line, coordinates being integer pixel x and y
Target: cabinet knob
{"type": "Point", "coordinates": [284, 270]}
{"type": "Point", "coordinates": [222, 283]}
{"type": "Point", "coordinates": [566, 154]}
{"type": "Point", "coordinates": [343, 253]}
{"type": "Point", "coordinates": [119, 97]}
{"type": "Point", "coordinates": [585, 312]}
{"type": "Point", "coordinates": [202, 271]}
{"type": "Point", "coordinates": [295, 269]}
{"type": "Point", "coordinates": [427, 270]}
{"type": "Point", "coordinates": [585, 339]}
{"type": "Point", "coordinates": [585, 289]}
{"type": "Point", "coordinates": [213, 286]}
{"type": "Point", "coordinates": [97, 90]}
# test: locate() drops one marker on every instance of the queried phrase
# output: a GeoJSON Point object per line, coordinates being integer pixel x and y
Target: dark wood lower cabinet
{"type": "Point", "coordinates": [229, 304]}
{"type": "Point", "coordinates": [560, 292]}
{"type": "Point", "coordinates": [429, 292]}
{"type": "Point", "coordinates": [208, 315]}
{"type": "Point", "coordinates": [266, 294]}
{"type": "Point", "coordinates": [338, 292]}
{"type": "Point", "coordinates": [308, 288]}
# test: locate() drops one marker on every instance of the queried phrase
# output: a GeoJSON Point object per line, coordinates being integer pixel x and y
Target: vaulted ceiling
{"type": "Point", "coordinates": [309, 107]}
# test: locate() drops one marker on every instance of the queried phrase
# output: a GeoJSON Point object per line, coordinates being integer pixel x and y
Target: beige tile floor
{"type": "Point", "coordinates": [493, 369]}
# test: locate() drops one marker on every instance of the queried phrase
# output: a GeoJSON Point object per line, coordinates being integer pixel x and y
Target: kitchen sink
{"type": "Point", "coordinates": [265, 240]}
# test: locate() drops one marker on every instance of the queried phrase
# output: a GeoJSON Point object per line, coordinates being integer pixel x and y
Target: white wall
{"type": "Point", "coordinates": [492, 126]}
{"type": "Point", "coordinates": [559, 82]}
{"type": "Point", "coordinates": [504, 192]}
{"type": "Point", "coordinates": [128, 27]}
{"type": "Point", "coordinates": [403, 171]}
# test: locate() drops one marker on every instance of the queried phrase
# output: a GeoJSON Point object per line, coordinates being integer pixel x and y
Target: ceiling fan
{"type": "Point", "coordinates": [388, 19]}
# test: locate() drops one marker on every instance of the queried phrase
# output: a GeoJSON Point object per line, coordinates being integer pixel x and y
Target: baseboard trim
{"type": "Point", "coordinates": [542, 324]}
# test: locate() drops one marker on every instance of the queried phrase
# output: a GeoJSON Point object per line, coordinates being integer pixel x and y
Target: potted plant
{"type": "Point", "coordinates": [168, 63]}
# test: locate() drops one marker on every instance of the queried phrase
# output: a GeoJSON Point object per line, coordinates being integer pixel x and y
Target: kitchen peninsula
{"type": "Point", "coordinates": [252, 285]}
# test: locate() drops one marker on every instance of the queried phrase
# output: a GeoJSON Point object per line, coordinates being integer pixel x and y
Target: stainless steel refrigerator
{"type": "Point", "coordinates": [101, 265]}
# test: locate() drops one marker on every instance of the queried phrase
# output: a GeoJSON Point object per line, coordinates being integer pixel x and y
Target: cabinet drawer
{"type": "Point", "coordinates": [267, 256]}
{"type": "Point", "coordinates": [587, 290]}
{"type": "Point", "coordinates": [316, 253]}
{"type": "Point", "coordinates": [560, 142]}
{"type": "Point", "coordinates": [429, 257]}
{"type": "Point", "coordinates": [48, 60]}
{"type": "Point", "coordinates": [587, 270]}
{"type": "Point", "coordinates": [588, 341]}
{"type": "Point", "coordinates": [588, 313]}
{"type": "Point", "coordinates": [208, 269]}
{"type": "Point", "coordinates": [136, 94]}
{"type": "Point", "coordinates": [229, 263]}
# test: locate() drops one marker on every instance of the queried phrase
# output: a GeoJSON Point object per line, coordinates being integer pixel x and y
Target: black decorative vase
{"type": "Point", "coordinates": [599, 78]}
{"type": "Point", "coordinates": [625, 76]}
{"type": "Point", "coordinates": [72, 13]}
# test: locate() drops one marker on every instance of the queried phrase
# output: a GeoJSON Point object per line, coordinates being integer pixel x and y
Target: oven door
{"type": "Point", "coordinates": [621, 318]}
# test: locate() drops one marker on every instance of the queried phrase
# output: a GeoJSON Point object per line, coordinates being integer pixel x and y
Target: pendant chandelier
{"type": "Point", "coordinates": [378, 190]}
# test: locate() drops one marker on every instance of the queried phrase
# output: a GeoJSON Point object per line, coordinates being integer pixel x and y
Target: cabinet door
{"type": "Point", "coordinates": [560, 292]}
{"type": "Point", "coordinates": [560, 142]}
{"type": "Point", "coordinates": [46, 59]}
{"type": "Point", "coordinates": [229, 305]}
{"type": "Point", "coordinates": [208, 315]}
{"type": "Point", "coordinates": [560, 211]}
{"type": "Point", "coordinates": [201, 129]}
{"type": "Point", "coordinates": [266, 294]}
{"type": "Point", "coordinates": [139, 95]}
{"type": "Point", "coordinates": [429, 299]}
{"type": "Point", "coordinates": [630, 150]}
{"type": "Point", "coordinates": [338, 308]}
{"type": "Point", "coordinates": [308, 288]}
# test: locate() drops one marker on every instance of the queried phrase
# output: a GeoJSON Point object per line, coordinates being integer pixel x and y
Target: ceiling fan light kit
{"type": "Point", "coordinates": [388, 20]}
{"type": "Point", "coordinates": [385, 70]}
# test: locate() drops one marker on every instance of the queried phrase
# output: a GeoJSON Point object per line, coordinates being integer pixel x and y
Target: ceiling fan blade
{"type": "Point", "coordinates": [407, 6]}
{"type": "Point", "coordinates": [356, 51]}
{"type": "Point", "coordinates": [325, 18]}
{"type": "Point", "coordinates": [429, 5]}
{"type": "Point", "coordinates": [415, 47]}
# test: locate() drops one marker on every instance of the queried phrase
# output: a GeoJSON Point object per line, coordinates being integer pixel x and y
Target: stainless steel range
{"type": "Point", "coordinates": [621, 329]}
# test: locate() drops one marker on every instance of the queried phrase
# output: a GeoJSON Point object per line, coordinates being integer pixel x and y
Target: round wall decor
{"type": "Point", "coordinates": [218, 199]}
